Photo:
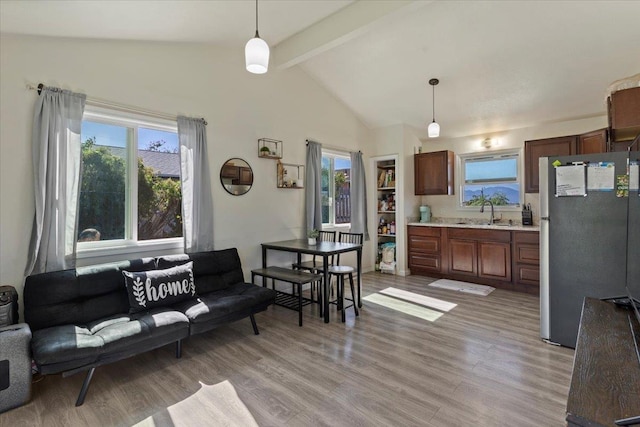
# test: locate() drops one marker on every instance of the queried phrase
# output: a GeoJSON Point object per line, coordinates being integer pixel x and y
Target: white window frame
{"type": "Point", "coordinates": [331, 225]}
{"type": "Point", "coordinates": [130, 244]}
{"type": "Point", "coordinates": [460, 175]}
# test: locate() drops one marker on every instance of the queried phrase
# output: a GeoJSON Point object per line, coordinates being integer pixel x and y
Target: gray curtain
{"type": "Point", "coordinates": [313, 183]}
{"type": "Point", "coordinates": [197, 201]}
{"type": "Point", "coordinates": [358, 196]}
{"type": "Point", "coordinates": [57, 150]}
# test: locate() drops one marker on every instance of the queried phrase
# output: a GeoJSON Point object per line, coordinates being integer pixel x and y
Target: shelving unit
{"type": "Point", "coordinates": [387, 204]}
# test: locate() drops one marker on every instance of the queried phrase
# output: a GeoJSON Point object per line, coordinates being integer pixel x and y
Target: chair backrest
{"type": "Point", "coordinates": [326, 236]}
{"type": "Point", "coordinates": [344, 237]}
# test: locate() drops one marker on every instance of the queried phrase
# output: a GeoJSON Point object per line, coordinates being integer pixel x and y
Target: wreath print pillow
{"type": "Point", "coordinates": [159, 288]}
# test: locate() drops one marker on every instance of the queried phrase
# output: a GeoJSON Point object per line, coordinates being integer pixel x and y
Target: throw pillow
{"type": "Point", "coordinates": [159, 288]}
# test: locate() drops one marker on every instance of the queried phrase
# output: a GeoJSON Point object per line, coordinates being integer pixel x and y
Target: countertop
{"type": "Point", "coordinates": [470, 224]}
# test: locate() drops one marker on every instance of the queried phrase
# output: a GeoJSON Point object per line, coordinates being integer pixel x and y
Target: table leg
{"type": "Point", "coordinates": [325, 285]}
{"type": "Point", "coordinates": [359, 277]}
{"type": "Point", "coordinates": [264, 263]}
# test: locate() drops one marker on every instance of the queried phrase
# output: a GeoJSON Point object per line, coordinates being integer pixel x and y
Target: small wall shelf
{"type": "Point", "coordinates": [290, 175]}
{"type": "Point", "coordinates": [269, 148]}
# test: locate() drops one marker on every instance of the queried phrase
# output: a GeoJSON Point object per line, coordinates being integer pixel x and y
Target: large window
{"type": "Point", "coordinates": [130, 189]}
{"type": "Point", "coordinates": [336, 189]}
{"type": "Point", "coordinates": [495, 177]}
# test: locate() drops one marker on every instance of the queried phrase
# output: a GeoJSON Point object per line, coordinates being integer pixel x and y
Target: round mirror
{"type": "Point", "coordinates": [236, 176]}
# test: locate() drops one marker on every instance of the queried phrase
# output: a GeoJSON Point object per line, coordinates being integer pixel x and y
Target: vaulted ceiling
{"type": "Point", "coordinates": [501, 64]}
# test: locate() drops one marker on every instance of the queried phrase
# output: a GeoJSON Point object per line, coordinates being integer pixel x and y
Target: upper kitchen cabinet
{"type": "Point", "coordinates": [593, 142]}
{"type": "Point", "coordinates": [624, 117]}
{"type": "Point", "coordinates": [434, 173]}
{"type": "Point", "coordinates": [533, 150]}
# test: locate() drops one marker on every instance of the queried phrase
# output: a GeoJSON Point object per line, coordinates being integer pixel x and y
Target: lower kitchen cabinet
{"type": "Point", "coordinates": [526, 261]}
{"type": "Point", "coordinates": [425, 247]}
{"type": "Point", "coordinates": [501, 258]}
{"type": "Point", "coordinates": [483, 254]}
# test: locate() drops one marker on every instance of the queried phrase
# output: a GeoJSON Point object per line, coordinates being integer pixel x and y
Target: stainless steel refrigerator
{"type": "Point", "coordinates": [589, 245]}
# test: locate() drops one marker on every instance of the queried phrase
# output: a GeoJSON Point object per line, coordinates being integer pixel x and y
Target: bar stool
{"type": "Point", "coordinates": [340, 271]}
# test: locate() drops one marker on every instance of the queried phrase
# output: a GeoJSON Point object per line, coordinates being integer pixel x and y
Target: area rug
{"type": "Point", "coordinates": [424, 300]}
{"type": "Point", "coordinates": [470, 288]}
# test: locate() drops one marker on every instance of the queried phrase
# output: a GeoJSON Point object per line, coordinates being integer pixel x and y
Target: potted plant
{"type": "Point", "coordinates": [312, 236]}
{"type": "Point", "coordinates": [264, 151]}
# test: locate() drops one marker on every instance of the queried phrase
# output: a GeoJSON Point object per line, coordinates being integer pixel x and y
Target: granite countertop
{"type": "Point", "coordinates": [476, 223]}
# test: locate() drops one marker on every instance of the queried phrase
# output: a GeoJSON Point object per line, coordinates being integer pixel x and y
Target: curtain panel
{"type": "Point", "coordinates": [57, 150]}
{"type": "Point", "coordinates": [358, 196]}
{"type": "Point", "coordinates": [313, 183]}
{"type": "Point", "coordinates": [197, 200]}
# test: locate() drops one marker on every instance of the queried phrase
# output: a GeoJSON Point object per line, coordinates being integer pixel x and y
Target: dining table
{"type": "Point", "coordinates": [323, 249]}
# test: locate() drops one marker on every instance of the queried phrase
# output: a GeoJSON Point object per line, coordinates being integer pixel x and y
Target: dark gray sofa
{"type": "Point", "coordinates": [80, 318]}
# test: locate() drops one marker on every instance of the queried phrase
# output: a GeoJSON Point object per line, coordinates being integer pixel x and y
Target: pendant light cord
{"type": "Point", "coordinates": [433, 99]}
{"type": "Point", "coordinates": [257, 35]}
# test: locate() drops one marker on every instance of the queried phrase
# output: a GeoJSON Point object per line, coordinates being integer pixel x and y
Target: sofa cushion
{"type": "Point", "coordinates": [223, 304]}
{"type": "Point", "coordinates": [159, 288]}
{"type": "Point", "coordinates": [87, 343]}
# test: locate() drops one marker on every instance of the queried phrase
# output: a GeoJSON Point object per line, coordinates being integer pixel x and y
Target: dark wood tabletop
{"type": "Point", "coordinates": [605, 384]}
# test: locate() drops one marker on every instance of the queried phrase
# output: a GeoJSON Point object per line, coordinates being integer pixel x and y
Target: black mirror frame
{"type": "Point", "coordinates": [227, 172]}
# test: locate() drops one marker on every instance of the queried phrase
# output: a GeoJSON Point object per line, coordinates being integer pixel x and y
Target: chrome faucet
{"type": "Point", "coordinates": [482, 210]}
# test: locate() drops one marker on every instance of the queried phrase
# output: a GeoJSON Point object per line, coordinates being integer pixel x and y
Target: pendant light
{"type": "Point", "coordinates": [434, 128]}
{"type": "Point", "coordinates": [256, 52]}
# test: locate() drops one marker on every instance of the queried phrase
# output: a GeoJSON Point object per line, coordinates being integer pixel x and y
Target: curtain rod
{"type": "Point", "coordinates": [96, 102]}
{"type": "Point", "coordinates": [329, 146]}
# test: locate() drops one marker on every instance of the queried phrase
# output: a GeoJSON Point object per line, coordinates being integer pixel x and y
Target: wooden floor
{"type": "Point", "coordinates": [480, 364]}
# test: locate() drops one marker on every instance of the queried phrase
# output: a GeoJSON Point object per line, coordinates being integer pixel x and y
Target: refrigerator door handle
{"type": "Point", "coordinates": [544, 218]}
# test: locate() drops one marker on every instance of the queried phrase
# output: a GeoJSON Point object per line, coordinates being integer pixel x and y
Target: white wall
{"type": "Point", "coordinates": [195, 80]}
{"type": "Point", "coordinates": [446, 206]}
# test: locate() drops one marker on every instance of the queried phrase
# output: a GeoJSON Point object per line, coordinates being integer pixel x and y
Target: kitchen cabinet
{"type": "Point", "coordinates": [593, 142]}
{"type": "Point", "coordinates": [485, 254]}
{"type": "Point", "coordinates": [526, 261]}
{"type": "Point", "coordinates": [425, 249]}
{"type": "Point", "coordinates": [624, 114]}
{"type": "Point", "coordinates": [434, 173]}
{"type": "Point", "coordinates": [533, 150]}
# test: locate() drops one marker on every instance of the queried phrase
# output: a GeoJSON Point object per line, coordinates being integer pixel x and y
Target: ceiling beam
{"type": "Point", "coordinates": [338, 28]}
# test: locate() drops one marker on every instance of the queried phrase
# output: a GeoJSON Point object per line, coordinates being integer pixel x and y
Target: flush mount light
{"type": "Point", "coordinates": [434, 128]}
{"type": "Point", "coordinates": [256, 52]}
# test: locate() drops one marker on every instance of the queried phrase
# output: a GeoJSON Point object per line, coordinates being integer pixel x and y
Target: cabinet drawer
{"type": "Point", "coordinates": [527, 253]}
{"type": "Point", "coordinates": [416, 230]}
{"type": "Point", "coordinates": [424, 244]}
{"type": "Point", "coordinates": [476, 234]}
{"type": "Point", "coordinates": [526, 237]}
{"type": "Point", "coordinates": [430, 262]}
{"type": "Point", "coordinates": [528, 274]}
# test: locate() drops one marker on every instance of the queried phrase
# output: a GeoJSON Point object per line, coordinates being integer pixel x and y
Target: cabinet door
{"type": "Point", "coordinates": [533, 150]}
{"type": "Point", "coordinates": [494, 260]}
{"type": "Point", "coordinates": [434, 173]}
{"type": "Point", "coordinates": [593, 142]}
{"type": "Point", "coordinates": [463, 255]}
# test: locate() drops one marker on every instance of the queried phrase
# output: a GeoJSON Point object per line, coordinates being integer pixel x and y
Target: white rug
{"type": "Point", "coordinates": [424, 300]}
{"type": "Point", "coordinates": [470, 288]}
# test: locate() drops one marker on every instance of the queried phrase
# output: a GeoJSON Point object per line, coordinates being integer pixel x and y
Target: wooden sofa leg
{"type": "Point", "coordinates": [253, 323]}
{"type": "Point", "coordinates": [85, 387]}
{"type": "Point", "coordinates": [178, 349]}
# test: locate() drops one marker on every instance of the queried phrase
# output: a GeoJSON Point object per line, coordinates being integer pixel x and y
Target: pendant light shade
{"type": "Point", "coordinates": [256, 52]}
{"type": "Point", "coordinates": [434, 128]}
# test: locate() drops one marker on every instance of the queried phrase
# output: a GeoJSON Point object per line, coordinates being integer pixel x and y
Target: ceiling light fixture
{"type": "Point", "coordinates": [256, 52]}
{"type": "Point", "coordinates": [434, 128]}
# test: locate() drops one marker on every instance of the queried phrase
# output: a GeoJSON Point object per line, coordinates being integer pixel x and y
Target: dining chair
{"type": "Point", "coordinates": [316, 266]}
{"type": "Point", "coordinates": [340, 271]}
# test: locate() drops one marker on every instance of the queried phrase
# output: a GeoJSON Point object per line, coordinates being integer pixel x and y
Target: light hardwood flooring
{"type": "Point", "coordinates": [480, 364]}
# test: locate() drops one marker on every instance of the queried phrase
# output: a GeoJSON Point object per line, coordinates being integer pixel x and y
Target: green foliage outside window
{"type": "Point", "coordinates": [103, 197]}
